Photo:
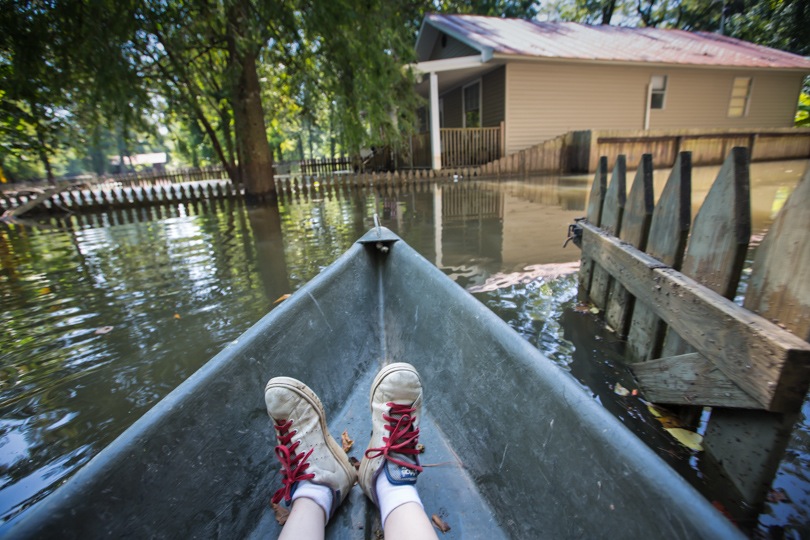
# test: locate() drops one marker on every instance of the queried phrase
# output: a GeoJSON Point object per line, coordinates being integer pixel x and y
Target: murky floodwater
{"type": "Point", "coordinates": [104, 315]}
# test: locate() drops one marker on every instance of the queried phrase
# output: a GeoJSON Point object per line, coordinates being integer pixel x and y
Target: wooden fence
{"type": "Point", "coordinates": [546, 157]}
{"type": "Point", "coordinates": [672, 300]}
{"type": "Point", "coordinates": [325, 165]}
{"type": "Point", "coordinates": [708, 147]}
{"type": "Point", "coordinates": [178, 176]}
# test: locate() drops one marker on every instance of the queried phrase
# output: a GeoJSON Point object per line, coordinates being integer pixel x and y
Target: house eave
{"type": "Point", "coordinates": [626, 63]}
{"type": "Point", "coordinates": [430, 31]}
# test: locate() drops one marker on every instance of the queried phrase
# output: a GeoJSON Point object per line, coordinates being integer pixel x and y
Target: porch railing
{"type": "Point", "coordinates": [461, 147]}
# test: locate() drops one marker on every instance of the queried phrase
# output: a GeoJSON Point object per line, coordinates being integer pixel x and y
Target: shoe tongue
{"type": "Point", "coordinates": [399, 474]}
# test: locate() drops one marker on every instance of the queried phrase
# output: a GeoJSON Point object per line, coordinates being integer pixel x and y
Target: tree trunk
{"type": "Point", "coordinates": [607, 11]}
{"type": "Point", "coordinates": [43, 156]}
{"type": "Point", "coordinates": [256, 160]}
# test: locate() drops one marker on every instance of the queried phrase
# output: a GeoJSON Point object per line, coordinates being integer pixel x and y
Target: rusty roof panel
{"type": "Point", "coordinates": [611, 43]}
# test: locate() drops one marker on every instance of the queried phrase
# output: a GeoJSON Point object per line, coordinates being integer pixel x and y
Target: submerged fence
{"type": "Point", "coordinates": [672, 300]}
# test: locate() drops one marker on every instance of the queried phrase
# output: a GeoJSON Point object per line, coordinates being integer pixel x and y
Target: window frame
{"type": "Point", "coordinates": [480, 103]}
{"type": "Point", "coordinates": [662, 92]}
{"type": "Point", "coordinates": [747, 97]}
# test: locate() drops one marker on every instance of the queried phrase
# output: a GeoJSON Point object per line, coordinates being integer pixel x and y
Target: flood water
{"type": "Point", "coordinates": [105, 314]}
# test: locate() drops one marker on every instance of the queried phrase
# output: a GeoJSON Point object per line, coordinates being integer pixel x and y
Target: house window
{"type": "Point", "coordinates": [740, 94]}
{"type": "Point", "coordinates": [472, 105]}
{"type": "Point", "coordinates": [658, 91]}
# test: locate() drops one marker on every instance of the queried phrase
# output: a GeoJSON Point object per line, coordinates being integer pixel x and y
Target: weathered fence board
{"type": "Point", "coordinates": [688, 379]}
{"type": "Point", "coordinates": [753, 352]}
{"type": "Point", "coordinates": [779, 290]}
{"type": "Point", "coordinates": [594, 215]}
{"type": "Point", "coordinates": [634, 230]}
{"type": "Point", "coordinates": [611, 222]}
{"type": "Point", "coordinates": [719, 237]}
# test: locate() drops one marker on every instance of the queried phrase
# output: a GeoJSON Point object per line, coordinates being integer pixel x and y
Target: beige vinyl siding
{"type": "Point", "coordinates": [700, 98]}
{"type": "Point", "coordinates": [452, 49]}
{"type": "Point", "coordinates": [453, 110]}
{"type": "Point", "coordinates": [548, 99]}
{"type": "Point", "coordinates": [493, 89]}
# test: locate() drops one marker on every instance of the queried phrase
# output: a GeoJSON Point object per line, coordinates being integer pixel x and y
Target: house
{"type": "Point", "coordinates": [529, 81]}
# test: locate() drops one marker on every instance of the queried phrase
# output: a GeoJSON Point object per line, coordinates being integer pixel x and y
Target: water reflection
{"type": "Point", "coordinates": [178, 283]}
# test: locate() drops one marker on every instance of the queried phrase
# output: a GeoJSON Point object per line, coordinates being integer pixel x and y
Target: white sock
{"type": "Point", "coordinates": [390, 496]}
{"type": "Point", "coordinates": [318, 493]}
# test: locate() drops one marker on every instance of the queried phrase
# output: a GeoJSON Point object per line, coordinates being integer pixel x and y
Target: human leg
{"type": "Point", "coordinates": [306, 520]}
{"type": "Point", "coordinates": [316, 473]}
{"type": "Point", "coordinates": [390, 466]}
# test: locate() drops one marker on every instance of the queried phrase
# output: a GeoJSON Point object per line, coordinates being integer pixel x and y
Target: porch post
{"type": "Point", "coordinates": [435, 141]}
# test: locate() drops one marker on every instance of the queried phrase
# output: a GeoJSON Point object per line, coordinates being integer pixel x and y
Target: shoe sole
{"type": "Point", "coordinates": [365, 462]}
{"type": "Point", "coordinates": [312, 398]}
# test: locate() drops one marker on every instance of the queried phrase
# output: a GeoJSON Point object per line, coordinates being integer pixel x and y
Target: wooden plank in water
{"type": "Point", "coordinates": [634, 230]}
{"type": "Point", "coordinates": [753, 352]}
{"type": "Point", "coordinates": [666, 242]}
{"type": "Point", "coordinates": [689, 379]}
{"type": "Point", "coordinates": [593, 215]}
{"type": "Point", "coordinates": [611, 222]}
{"type": "Point", "coordinates": [719, 238]}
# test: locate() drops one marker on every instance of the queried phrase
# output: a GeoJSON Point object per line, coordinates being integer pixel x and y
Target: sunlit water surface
{"type": "Point", "coordinates": [104, 315]}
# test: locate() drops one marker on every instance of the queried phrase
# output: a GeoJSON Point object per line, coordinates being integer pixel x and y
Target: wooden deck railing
{"type": "Point", "coordinates": [461, 147]}
{"type": "Point", "coordinates": [464, 147]}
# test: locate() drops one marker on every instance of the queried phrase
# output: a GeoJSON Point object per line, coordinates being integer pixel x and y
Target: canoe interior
{"type": "Point", "coordinates": [516, 447]}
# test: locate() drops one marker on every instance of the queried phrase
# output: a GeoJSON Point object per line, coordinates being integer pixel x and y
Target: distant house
{"type": "Point", "coordinates": [537, 80]}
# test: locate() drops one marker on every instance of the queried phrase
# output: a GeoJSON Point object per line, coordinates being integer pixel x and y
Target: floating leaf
{"type": "Point", "coordinates": [281, 298]}
{"type": "Point", "coordinates": [665, 417]}
{"type": "Point", "coordinates": [621, 390]}
{"type": "Point", "coordinates": [594, 310]}
{"type": "Point", "coordinates": [582, 308]}
{"type": "Point", "coordinates": [104, 330]}
{"type": "Point", "coordinates": [176, 315]}
{"type": "Point", "coordinates": [440, 523]}
{"type": "Point", "coordinates": [689, 439]}
{"type": "Point", "coordinates": [347, 442]}
{"type": "Point", "coordinates": [281, 513]}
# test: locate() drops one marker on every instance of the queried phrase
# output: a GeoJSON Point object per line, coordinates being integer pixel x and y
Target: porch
{"type": "Point", "coordinates": [458, 147]}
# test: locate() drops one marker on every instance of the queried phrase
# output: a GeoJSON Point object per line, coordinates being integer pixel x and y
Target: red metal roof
{"type": "Point", "coordinates": [610, 43]}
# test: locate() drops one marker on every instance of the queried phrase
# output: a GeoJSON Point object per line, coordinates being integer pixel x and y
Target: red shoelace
{"type": "Point", "coordinates": [292, 465]}
{"type": "Point", "coordinates": [403, 436]}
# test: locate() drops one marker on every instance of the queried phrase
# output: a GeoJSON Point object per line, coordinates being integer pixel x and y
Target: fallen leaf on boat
{"type": "Point", "coordinates": [104, 330]}
{"type": "Point", "coordinates": [347, 442]}
{"type": "Point", "coordinates": [440, 523]}
{"type": "Point", "coordinates": [281, 513]}
{"type": "Point", "coordinates": [689, 439]}
{"type": "Point", "coordinates": [281, 298]}
{"type": "Point", "coordinates": [355, 462]}
{"type": "Point", "coordinates": [621, 390]}
{"type": "Point", "coordinates": [176, 315]}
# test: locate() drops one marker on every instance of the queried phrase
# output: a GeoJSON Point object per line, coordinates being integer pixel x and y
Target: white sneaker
{"type": "Point", "coordinates": [396, 406]}
{"type": "Point", "coordinates": [306, 450]}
